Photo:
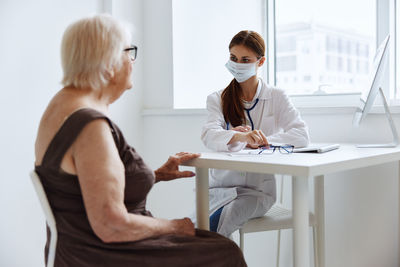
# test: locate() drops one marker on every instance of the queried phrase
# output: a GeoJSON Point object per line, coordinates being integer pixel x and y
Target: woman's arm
{"type": "Point", "coordinates": [295, 130]}
{"type": "Point", "coordinates": [216, 137]}
{"type": "Point", "coordinates": [214, 134]}
{"type": "Point", "coordinates": [102, 179]}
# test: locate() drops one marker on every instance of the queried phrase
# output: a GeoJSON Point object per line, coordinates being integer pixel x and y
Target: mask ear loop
{"type": "Point", "coordinates": [259, 61]}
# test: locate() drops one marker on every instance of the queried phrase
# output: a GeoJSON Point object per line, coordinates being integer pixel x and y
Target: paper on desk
{"type": "Point", "coordinates": [246, 152]}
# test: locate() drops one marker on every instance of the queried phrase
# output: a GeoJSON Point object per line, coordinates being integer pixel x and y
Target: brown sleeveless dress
{"type": "Point", "coordinates": [77, 244]}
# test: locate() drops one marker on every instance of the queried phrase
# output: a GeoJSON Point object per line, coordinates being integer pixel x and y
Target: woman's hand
{"type": "Point", "coordinates": [170, 170]}
{"type": "Point", "coordinates": [242, 129]}
{"type": "Point", "coordinates": [253, 138]}
{"type": "Point", "coordinates": [182, 226]}
{"type": "Point", "coordinates": [256, 139]}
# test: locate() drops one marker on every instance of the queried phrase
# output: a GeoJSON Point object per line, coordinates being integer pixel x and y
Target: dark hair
{"type": "Point", "coordinates": [232, 105]}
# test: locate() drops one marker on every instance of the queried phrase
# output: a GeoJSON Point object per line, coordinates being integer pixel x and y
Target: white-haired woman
{"type": "Point", "coordinates": [95, 182]}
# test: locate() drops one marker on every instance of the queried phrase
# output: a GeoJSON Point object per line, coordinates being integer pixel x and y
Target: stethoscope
{"type": "Point", "coordinates": [248, 115]}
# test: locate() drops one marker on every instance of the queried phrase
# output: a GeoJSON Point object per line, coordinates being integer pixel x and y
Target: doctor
{"type": "Point", "coordinates": [247, 113]}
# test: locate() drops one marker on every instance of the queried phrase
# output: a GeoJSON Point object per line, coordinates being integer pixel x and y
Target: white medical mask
{"type": "Point", "coordinates": [242, 71]}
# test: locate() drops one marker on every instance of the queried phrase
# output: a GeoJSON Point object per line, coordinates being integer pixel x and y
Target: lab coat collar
{"type": "Point", "coordinates": [248, 104]}
{"type": "Point", "coordinates": [265, 92]}
{"type": "Point", "coordinates": [258, 91]}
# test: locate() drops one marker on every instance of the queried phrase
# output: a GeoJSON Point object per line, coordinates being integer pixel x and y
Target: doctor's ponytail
{"type": "Point", "coordinates": [231, 97]}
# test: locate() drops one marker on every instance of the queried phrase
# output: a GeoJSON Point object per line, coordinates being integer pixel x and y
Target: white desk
{"type": "Point", "coordinates": [301, 166]}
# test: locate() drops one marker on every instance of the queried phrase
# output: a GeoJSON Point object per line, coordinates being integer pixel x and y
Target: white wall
{"type": "Point", "coordinates": [30, 71]}
{"type": "Point", "coordinates": [157, 26]}
{"type": "Point", "coordinates": [126, 112]}
{"type": "Point", "coordinates": [361, 206]}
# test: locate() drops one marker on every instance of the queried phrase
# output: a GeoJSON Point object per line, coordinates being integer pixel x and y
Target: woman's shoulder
{"type": "Point", "coordinates": [215, 97]}
{"type": "Point", "coordinates": [216, 94]}
{"type": "Point", "coordinates": [270, 91]}
{"type": "Point", "coordinates": [77, 113]}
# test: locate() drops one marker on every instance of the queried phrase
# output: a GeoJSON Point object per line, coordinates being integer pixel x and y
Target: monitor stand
{"type": "Point", "coordinates": [392, 126]}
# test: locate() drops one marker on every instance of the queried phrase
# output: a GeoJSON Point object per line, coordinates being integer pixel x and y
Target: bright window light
{"type": "Point", "coordinates": [324, 46]}
{"type": "Point", "coordinates": [202, 31]}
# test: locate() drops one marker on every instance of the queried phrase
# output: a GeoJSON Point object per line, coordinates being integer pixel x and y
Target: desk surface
{"type": "Point", "coordinates": [299, 164]}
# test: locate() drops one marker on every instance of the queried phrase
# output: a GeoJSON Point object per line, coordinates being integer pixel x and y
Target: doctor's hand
{"type": "Point", "coordinates": [243, 129]}
{"type": "Point", "coordinates": [170, 169]}
{"type": "Point", "coordinates": [254, 138]}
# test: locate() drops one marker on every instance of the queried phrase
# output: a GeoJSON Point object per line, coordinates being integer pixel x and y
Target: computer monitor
{"type": "Point", "coordinates": [376, 76]}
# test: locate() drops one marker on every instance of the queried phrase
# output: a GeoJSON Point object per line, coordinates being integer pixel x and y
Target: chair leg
{"type": "Point", "coordinates": [241, 239]}
{"type": "Point", "coordinates": [314, 231]}
{"type": "Point", "coordinates": [278, 245]}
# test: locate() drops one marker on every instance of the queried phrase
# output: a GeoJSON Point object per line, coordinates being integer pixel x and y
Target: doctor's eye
{"type": "Point", "coordinates": [245, 60]}
{"type": "Point", "coordinates": [233, 58]}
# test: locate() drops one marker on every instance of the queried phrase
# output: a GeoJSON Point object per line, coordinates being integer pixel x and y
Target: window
{"type": "Point", "coordinates": [317, 21]}
{"type": "Point", "coordinates": [202, 31]}
{"type": "Point", "coordinates": [286, 63]}
{"type": "Point", "coordinates": [340, 46]}
{"type": "Point", "coordinates": [311, 44]}
{"type": "Point", "coordinates": [286, 44]}
{"type": "Point", "coordinates": [307, 78]}
{"type": "Point", "coordinates": [349, 65]}
{"type": "Point", "coordinates": [340, 64]}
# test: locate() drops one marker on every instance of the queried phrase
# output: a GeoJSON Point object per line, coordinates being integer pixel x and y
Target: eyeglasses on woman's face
{"type": "Point", "coordinates": [132, 51]}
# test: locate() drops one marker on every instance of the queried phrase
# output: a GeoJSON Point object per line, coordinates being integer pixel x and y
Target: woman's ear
{"type": "Point", "coordinates": [109, 74]}
{"type": "Point", "coordinates": [261, 61]}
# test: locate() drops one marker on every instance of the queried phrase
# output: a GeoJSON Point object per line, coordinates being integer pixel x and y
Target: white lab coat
{"type": "Point", "coordinates": [246, 195]}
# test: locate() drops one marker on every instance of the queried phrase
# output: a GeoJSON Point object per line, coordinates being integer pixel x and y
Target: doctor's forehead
{"type": "Point", "coordinates": [240, 51]}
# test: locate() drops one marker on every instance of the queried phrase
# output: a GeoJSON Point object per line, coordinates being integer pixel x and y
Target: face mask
{"type": "Point", "coordinates": [242, 71]}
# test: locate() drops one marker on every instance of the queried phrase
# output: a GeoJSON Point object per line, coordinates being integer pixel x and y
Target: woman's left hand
{"type": "Point", "coordinates": [242, 129]}
{"type": "Point", "coordinates": [170, 169]}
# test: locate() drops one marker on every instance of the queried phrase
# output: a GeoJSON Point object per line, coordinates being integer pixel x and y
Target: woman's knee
{"type": "Point", "coordinates": [233, 253]}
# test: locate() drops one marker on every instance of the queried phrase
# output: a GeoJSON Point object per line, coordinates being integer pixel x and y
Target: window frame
{"type": "Point", "coordinates": [386, 19]}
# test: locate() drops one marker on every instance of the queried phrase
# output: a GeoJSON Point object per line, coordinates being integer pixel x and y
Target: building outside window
{"type": "Point", "coordinates": [334, 54]}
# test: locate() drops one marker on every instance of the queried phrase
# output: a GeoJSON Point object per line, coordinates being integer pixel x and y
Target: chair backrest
{"type": "Point", "coordinates": [51, 222]}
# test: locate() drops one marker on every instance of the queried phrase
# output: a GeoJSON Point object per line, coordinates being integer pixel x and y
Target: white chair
{"type": "Point", "coordinates": [51, 222]}
{"type": "Point", "coordinates": [277, 218]}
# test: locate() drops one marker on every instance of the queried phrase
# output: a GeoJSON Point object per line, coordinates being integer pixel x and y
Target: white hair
{"type": "Point", "coordinates": [90, 50]}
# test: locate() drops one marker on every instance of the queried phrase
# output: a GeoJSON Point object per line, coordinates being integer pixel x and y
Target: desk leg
{"type": "Point", "coordinates": [398, 217]}
{"type": "Point", "coordinates": [301, 255]}
{"type": "Point", "coordinates": [319, 204]}
{"type": "Point", "coordinates": [202, 198]}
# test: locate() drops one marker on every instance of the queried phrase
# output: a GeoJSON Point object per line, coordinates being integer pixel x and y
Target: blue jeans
{"type": "Point", "coordinates": [214, 220]}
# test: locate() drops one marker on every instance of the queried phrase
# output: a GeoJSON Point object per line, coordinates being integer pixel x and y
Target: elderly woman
{"type": "Point", "coordinates": [95, 182]}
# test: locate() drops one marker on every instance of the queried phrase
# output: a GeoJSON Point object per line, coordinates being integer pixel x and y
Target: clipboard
{"type": "Point", "coordinates": [315, 148]}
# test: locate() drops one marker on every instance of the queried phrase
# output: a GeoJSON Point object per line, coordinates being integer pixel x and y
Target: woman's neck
{"type": "Point", "coordinates": [249, 88]}
{"type": "Point", "coordinates": [97, 99]}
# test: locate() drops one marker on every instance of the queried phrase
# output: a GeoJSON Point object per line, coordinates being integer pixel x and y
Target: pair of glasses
{"type": "Point", "coordinates": [284, 149]}
{"type": "Point", "coordinates": [132, 51]}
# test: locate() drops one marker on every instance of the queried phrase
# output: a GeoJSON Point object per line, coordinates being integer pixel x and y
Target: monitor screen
{"type": "Point", "coordinates": [375, 81]}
